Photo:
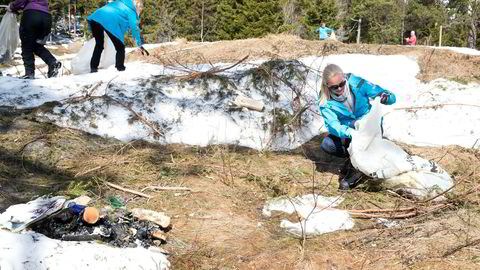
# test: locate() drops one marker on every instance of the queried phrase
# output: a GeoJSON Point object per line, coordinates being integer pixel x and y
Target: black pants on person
{"type": "Point", "coordinates": [35, 25]}
{"type": "Point", "coordinates": [97, 31]}
{"type": "Point", "coordinates": [334, 145]}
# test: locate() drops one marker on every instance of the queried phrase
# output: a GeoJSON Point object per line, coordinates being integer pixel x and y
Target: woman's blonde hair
{"type": "Point", "coordinates": [138, 6]}
{"type": "Point", "coordinates": [329, 71]}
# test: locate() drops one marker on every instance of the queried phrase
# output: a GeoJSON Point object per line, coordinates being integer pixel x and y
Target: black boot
{"type": "Point", "coordinates": [53, 69]}
{"type": "Point", "coordinates": [350, 177]}
{"type": "Point", "coordinates": [29, 71]}
{"type": "Point", "coordinates": [28, 76]}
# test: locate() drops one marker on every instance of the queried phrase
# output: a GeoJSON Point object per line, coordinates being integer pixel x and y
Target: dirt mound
{"type": "Point", "coordinates": [434, 62]}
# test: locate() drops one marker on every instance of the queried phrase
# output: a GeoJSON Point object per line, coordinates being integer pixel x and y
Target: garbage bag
{"type": "Point", "coordinates": [9, 36]}
{"type": "Point", "coordinates": [81, 62]}
{"type": "Point", "coordinates": [390, 165]}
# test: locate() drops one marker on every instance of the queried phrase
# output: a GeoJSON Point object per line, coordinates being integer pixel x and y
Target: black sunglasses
{"type": "Point", "coordinates": [335, 87]}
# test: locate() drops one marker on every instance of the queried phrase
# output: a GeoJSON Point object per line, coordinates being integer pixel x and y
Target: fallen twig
{"type": "Point", "coordinates": [383, 210]}
{"type": "Point", "coordinates": [139, 116]}
{"type": "Point", "coordinates": [441, 193]}
{"type": "Point", "coordinates": [458, 248]}
{"type": "Point", "coordinates": [393, 216]}
{"type": "Point", "coordinates": [199, 74]}
{"type": "Point", "coordinates": [167, 188]}
{"type": "Point", "coordinates": [43, 136]}
{"type": "Point", "coordinates": [128, 190]}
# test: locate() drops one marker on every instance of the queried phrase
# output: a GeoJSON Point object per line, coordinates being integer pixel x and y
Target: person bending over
{"type": "Point", "coordinates": [115, 19]}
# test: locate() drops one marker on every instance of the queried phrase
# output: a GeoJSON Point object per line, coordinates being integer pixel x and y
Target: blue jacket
{"type": "Point", "coordinates": [338, 119]}
{"type": "Point", "coordinates": [323, 32]}
{"type": "Point", "coordinates": [117, 18]}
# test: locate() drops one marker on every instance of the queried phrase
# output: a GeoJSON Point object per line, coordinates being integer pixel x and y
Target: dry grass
{"type": "Point", "coordinates": [219, 225]}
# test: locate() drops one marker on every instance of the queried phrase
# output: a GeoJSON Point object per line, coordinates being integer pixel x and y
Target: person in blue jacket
{"type": "Point", "coordinates": [323, 31]}
{"type": "Point", "coordinates": [115, 19]}
{"type": "Point", "coordinates": [344, 98]}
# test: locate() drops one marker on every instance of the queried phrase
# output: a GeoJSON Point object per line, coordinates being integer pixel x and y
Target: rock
{"type": "Point", "coordinates": [158, 218]}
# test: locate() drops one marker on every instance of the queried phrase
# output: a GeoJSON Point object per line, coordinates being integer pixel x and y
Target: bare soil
{"type": "Point", "coordinates": [219, 224]}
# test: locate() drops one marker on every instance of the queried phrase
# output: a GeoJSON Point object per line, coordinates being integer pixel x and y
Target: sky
{"type": "Point", "coordinates": [199, 114]}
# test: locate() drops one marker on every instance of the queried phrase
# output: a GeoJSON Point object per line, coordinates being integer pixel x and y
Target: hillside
{"type": "Point", "coordinates": [434, 62]}
{"type": "Point", "coordinates": [69, 135]}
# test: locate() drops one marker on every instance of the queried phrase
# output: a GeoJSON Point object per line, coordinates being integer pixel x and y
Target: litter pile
{"type": "Point", "coordinates": [61, 219]}
{"type": "Point", "coordinates": [131, 237]}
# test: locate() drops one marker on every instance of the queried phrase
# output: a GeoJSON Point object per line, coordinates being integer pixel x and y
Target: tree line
{"type": "Point", "coordinates": [382, 21]}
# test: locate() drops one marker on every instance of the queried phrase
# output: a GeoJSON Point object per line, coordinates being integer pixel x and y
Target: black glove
{"type": "Point", "coordinates": [384, 98]}
{"type": "Point", "coordinates": [143, 51]}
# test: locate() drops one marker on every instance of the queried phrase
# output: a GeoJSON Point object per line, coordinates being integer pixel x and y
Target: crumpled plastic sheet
{"type": "Point", "coordinates": [390, 165]}
{"type": "Point", "coordinates": [316, 212]}
{"type": "Point", "coordinates": [9, 36]}
{"type": "Point", "coordinates": [17, 217]}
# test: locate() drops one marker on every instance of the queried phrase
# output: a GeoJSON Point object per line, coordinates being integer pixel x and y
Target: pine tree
{"type": "Point", "coordinates": [381, 20]}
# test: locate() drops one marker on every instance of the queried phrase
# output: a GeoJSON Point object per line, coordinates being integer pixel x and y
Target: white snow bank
{"type": "Point", "coordinates": [463, 50]}
{"type": "Point", "coordinates": [197, 113]}
{"type": "Point", "coordinates": [441, 113]}
{"type": "Point", "coordinates": [32, 251]}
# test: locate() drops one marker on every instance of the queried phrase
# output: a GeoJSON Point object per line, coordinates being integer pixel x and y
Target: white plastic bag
{"type": "Point", "coordinates": [316, 212]}
{"type": "Point", "coordinates": [391, 165]}
{"type": "Point", "coordinates": [8, 36]}
{"type": "Point", "coordinates": [81, 62]}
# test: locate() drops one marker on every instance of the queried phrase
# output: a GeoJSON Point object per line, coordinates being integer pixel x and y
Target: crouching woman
{"type": "Point", "coordinates": [343, 99]}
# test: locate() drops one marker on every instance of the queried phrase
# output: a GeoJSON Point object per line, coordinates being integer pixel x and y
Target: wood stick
{"type": "Point", "coordinates": [128, 190]}
{"type": "Point", "coordinates": [167, 188]}
{"type": "Point", "coordinates": [398, 216]}
{"type": "Point", "coordinates": [468, 244]}
{"type": "Point", "coordinates": [383, 210]}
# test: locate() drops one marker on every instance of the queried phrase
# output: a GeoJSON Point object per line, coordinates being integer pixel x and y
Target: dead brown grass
{"type": "Point", "coordinates": [219, 225]}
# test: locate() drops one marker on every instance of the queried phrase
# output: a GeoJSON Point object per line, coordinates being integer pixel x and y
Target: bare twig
{"type": "Point", "coordinates": [383, 210]}
{"type": "Point", "coordinates": [199, 74]}
{"type": "Point", "coordinates": [458, 248]}
{"type": "Point", "coordinates": [89, 170]}
{"type": "Point", "coordinates": [393, 216]}
{"type": "Point", "coordinates": [128, 190]}
{"type": "Point", "coordinates": [43, 136]}
{"type": "Point", "coordinates": [139, 116]}
{"type": "Point", "coordinates": [167, 188]}
{"type": "Point", "coordinates": [442, 193]}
